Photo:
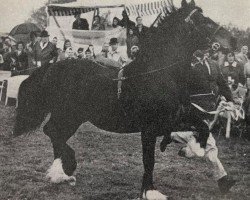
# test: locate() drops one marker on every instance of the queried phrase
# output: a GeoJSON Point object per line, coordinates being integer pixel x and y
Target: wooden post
{"type": "Point", "coordinates": [228, 128]}
{"type": "Point", "coordinates": [54, 17]}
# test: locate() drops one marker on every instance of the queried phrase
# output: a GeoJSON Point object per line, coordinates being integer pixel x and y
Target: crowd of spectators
{"type": "Point", "coordinates": [135, 31]}
{"type": "Point", "coordinates": [235, 67]}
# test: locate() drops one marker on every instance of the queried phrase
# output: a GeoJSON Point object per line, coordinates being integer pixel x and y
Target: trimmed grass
{"type": "Point", "coordinates": [110, 167]}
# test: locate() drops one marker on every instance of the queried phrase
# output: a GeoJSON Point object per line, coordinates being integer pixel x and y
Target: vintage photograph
{"type": "Point", "coordinates": [124, 100]}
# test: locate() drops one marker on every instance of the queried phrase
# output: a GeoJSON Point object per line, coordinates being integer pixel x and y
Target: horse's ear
{"type": "Point", "coordinates": [192, 3]}
{"type": "Point", "coordinates": [184, 3]}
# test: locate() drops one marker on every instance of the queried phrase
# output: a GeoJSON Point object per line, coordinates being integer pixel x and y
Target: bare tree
{"type": "Point", "coordinates": [39, 16]}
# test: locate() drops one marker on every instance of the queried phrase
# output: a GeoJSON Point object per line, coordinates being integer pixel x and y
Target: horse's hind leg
{"type": "Point", "coordinates": [59, 131]}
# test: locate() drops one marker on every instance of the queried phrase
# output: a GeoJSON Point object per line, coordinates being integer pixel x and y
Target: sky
{"type": "Point", "coordinates": [13, 12]}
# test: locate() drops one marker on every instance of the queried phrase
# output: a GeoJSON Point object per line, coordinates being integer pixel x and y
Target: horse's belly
{"type": "Point", "coordinates": [115, 120]}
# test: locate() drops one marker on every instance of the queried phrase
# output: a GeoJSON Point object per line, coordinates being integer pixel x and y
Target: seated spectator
{"type": "Point", "coordinates": [80, 53]}
{"type": "Point", "coordinates": [132, 40]}
{"type": "Point", "coordinates": [69, 53]}
{"type": "Point", "coordinates": [104, 51]}
{"type": "Point", "coordinates": [97, 25]}
{"type": "Point", "coordinates": [88, 54]}
{"type": "Point", "coordinates": [1, 53]}
{"type": "Point", "coordinates": [114, 54]}
{"type": "Point", "coordinates": [242, 56]}
{"type": "Point", "coordinates": [80, 23]}
{"type": "Point", "coordinates": [233, 71]}
{"type": "Point", "coordinates": [54, 41]}
{"type": "Point", "coordinates": [126, 22]}
{"type": "Point", "coordinates": [91, 48]}
{"type": "Point", "coordinates": [7, 46]}
{"type": "Point", "coordinates": [106, 20]}
{"type": "Point", "coordinates": [19, 58]}
{"type": "Point", "coordinates": [115, 23]}
{"type": "Point", "coordinates": [66, 45]}
{"type": "Point", "coordinates": [140, 30]}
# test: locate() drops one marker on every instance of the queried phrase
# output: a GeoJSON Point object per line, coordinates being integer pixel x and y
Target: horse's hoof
{"type": "Point", "coordinates": [56, 174]}
{"type": "Point", "coordinates": [225, 184]}
{"type": "Point", "coordinates": [72, 180]}
{"type": "Point", "coordinates": [154, 195]}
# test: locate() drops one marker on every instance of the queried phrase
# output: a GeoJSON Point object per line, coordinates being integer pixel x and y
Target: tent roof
{"type": "Point", "coordinates": [147, 7]}
{"type": "Point", "coordinates": [91, 4]}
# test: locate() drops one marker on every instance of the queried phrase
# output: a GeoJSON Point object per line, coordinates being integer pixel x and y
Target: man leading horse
{"type": "Point", "coordinates": [204, 98]}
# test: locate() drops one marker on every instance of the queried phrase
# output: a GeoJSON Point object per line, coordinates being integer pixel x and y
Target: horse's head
{"type": "Point", "coordinates": [205, 27]}
{"type": "Point", "coordinates": [30, 112]}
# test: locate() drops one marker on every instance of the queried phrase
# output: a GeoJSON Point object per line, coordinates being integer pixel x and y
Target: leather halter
{"type": "Point", "coordinates": [188, 19]}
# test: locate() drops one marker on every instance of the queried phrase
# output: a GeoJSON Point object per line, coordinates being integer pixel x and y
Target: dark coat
{"type": "Point", "coordinates": [45, 55]}
{"type": "Point", "coordinates": [127, 23]}
{"type": "Point", "coordinates": [214, 83]}
{"type": "Point", "coordinates": [131, 41]}
{"type": "Point", "coordinates": [140, 34]}
{"type": "Point", "coordinates": [234, 70]}
{"type": "Point", "coordinates": [21, 60]}
{"type": "Point", "coordinates": [81, 25]}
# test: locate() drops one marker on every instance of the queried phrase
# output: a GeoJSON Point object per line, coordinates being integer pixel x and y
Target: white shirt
{"type": "Point", "coordinates": [43, 45]}
{"type": "Point", "coordinates": [114, 55]}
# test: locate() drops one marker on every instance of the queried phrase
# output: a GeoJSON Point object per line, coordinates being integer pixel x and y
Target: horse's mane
{"type": "Point", "coordinates": [164, 38]}
{"type": "Point", "coordinates": [165, 44]}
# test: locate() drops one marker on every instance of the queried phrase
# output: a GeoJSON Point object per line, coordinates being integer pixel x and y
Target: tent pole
{"type": "Point", "coordinates": [47, 12]}
{"type": "Point", "coordinates": [57, 24]}
{"type": "Point", "coordinates": [93, 18]}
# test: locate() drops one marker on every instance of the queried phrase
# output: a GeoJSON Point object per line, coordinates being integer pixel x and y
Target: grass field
{"type": "Point", "coordinates": [110, 167]}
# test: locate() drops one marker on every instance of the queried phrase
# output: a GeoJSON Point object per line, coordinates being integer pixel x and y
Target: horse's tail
{"type": "Point", "coordinates": [31, 109]}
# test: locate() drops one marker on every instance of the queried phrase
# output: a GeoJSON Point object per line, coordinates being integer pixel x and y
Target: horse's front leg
{"type": "Point", "coordinates": [148, 148]}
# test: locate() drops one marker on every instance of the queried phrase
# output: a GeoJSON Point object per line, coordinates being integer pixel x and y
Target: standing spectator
{"type": "Point", "coordinates": [116, 22]}
{"type": "Point", "coordinates": [247, 71]}
{"type": "Point", "coordinates": [19, 58]}
{"type": "Point", "coordinates": [140, 29]}
{"type": "Point", "coordinates": [34, 38]}
{"type": "Point", "coordinates": [242, 56]}
{"type": "Point", "coordinates": [80, 23]}
{"type": "Point", "coordinates": [126, 22]}
{"type": "Point", "coordinates": [233, 71]}
{"type": "Point", "coordinates": [45, 51]}
{"type": "Point", "coordinates": [132, 40]}
{"type": "Point", "coordinates": [114, 54]}
{"type": "Point", "coordinates": [80, 53]}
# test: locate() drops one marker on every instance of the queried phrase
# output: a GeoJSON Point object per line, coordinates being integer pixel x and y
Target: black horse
{"type": "Point", "coordinates": [154, 87]}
